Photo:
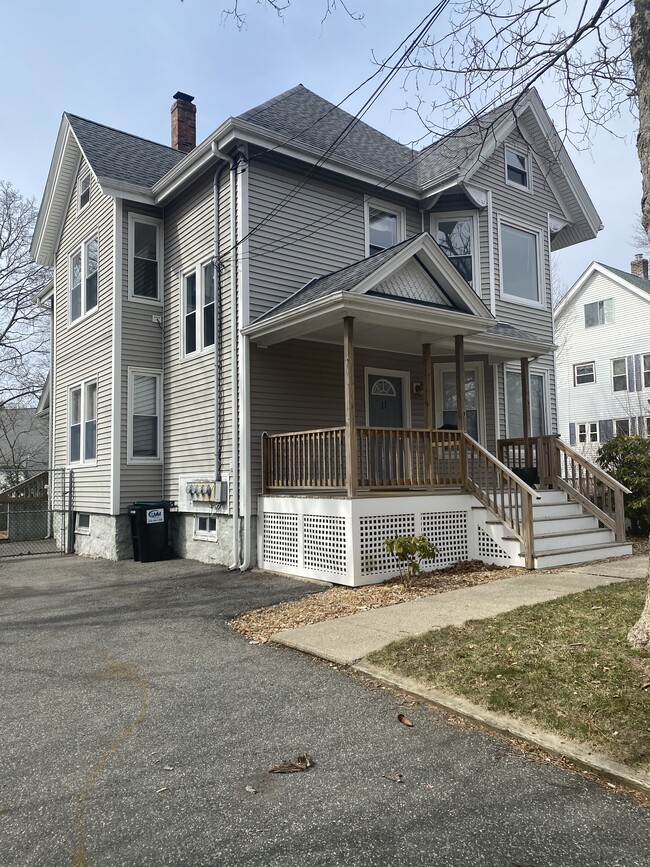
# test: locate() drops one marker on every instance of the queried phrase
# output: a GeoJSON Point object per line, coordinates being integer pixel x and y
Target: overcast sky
{"type": "Point", "coordinates": [120, 62]}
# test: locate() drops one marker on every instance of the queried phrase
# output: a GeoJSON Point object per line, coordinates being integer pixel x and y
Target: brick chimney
{"type": "Point", "coordinates": [639, 266]}
{"type": "Point", "coordinates": [183, 123]}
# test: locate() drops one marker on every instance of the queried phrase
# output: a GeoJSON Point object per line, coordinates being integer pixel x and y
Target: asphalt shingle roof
{"type": "Point", "coordinates": [122, 156]}
{"type": "Point", "coordinates": [301, 116]}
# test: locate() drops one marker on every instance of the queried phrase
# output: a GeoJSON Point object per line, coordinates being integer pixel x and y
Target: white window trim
{"type": "Point", "coordinates": [645, 369]}
{"type": "Point", "coordinates": [153, 221]}
{"type": "Point", "coordinates": [80, 181]}
{"type": "Point", "coordinates": [532, 371]}
{"type": "Point", "coordinates": [587, 426]}
{"type": "Point", "coordinates": [477, 367]}
{"type": "Point", "coordinates": [598, 324]}
{"type": "Point", "coordinates": [404, 375]}
{"type": "Point", "coordinates": [200, 298]}
{"type": "Point", "coordinates": [475, 254]}
{"type": "Point", "coordinates": [541, 279]}
{"type": "Point", "coordinates": [622, 421]}
{"type": "Point", "coordinates": [83, 462]}
{"type": "Point", "coordinates": [82, 250]}
{"type": "Point", "coordinates": [520, 152]}
{"type": "Point", "coordinates": [625, 390]}
{"type": "Point", "coordinates": [389, 208]}
{"type": "Point", "coordinates": [144, 371]}
{"type": "Point", "coordinates": [82, 531]}
{"type": "Point", "coordinates": [205, 535]}
{"type": "Point", "coordinates": [578, 364]}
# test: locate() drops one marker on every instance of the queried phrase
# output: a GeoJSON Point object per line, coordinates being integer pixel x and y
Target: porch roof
{"type": "Point", "coordinates": [400, 298]}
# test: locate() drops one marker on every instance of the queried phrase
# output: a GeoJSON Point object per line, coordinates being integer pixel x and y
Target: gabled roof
{"type": "Point", "coordinates": [122, 157]}
{"type": "Point", "coordinates": [637, 285]}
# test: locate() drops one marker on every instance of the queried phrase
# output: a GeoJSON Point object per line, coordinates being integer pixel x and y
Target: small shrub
{"type": "Point", "coordinates": [627, 459]}
{"type": "Point", "coordinates": [411, 551]}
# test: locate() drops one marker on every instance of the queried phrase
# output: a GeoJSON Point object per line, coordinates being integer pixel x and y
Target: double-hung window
{"type": "Point", "coordinates": [622, 427]}
{"type": "Point", "coordinates": [144, 429]}
{"type": "Point", "coordinates": [517, 169]}
{"type": "Point", "coordinates": [585, 373]}
{"type": "Point", "coordinates": [145, 254]}
{"type": "Point", "coordinates": [521, 278]}
{"type": "Point", "coordinates": [599, 313]}
{"type": "Point", "coordinates": [384, 226]}
{"type": "Point", "coordinates": [588, 432]}
{"type": "Point", "coordinates": [646, 371]}
{"type": "Point", "coordinates": [199, 309]}
{"type": "Point", "coordinates": [83, 192]}
{"type": "Point", "coordinates": [455, 236]}
{"type": "Point", "coordinates": [84, 265]}
{"type": "Point", "coordinates": [82, 423]}
{"type": "Point", "coordinates": [619, 374]}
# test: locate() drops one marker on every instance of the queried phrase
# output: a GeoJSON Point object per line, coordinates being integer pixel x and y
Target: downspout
{"type": "Point", "coordinates": [234, 371]}
{"type": "Point", "coordinates": [217, 310]}
{"type": "Point", "coordinates": [244, 372]}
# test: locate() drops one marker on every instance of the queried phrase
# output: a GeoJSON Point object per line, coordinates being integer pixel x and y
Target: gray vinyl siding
{"type": "Point", "coordinates": [83, 349]}
{"type": "Point", "coordinates": [527, 210]}
{"type": "Point", "coordinates": [189, 383]}
{"type": "Point", "coordinates": [319, 229]}
{"type": "Point", "coordinates": [141, 348]}
{"type": "Point", "coordinates": [298, 385]}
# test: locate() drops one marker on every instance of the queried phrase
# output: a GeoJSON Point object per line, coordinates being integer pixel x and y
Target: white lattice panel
{"type": "Point", "coordinates": [488, 548]}
{"type": "Point", "coordinates": [280, 539]}
{"type": "Point", "coordinates": [372, 532]}
{"type": "Point", "coordinates": [448, 531]}
{"type": "Point", "coordinates": [410, 281]}
{"type": "Point", "coordinates": [325, 545]}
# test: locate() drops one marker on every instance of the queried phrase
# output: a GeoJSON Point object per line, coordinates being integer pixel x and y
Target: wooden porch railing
{"type": "Point", "coordinates": [394, 459]}
{"type": "Point", "coordinates": [27, 491]}
{"type": "Point", "coordinates": [562, 468]}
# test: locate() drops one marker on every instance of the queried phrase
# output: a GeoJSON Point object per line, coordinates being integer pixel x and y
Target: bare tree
{"type": "Point", "coordinates": [23, 444]}
{"type": "Point", "coordinates": [24, 326]}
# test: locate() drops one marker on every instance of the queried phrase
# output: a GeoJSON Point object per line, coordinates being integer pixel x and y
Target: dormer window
{"type": "Point", "coordinates": [384, 226]}
{"type": "Point", "coordinates": [84, 192]}
{"type": "Point", "coordinates": [517, 169]}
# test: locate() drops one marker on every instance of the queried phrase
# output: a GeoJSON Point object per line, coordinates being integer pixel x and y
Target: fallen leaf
{"type": "Point", "coordinates": [404, 720]}
{"type": "Point", "coordinates": [251, 790]}
{"type": "Point", "coordinates": [394, 777]}
{"type": "Point", "coordinates": [303, 762]}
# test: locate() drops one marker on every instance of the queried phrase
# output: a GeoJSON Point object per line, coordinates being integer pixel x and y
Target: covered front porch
{"type": "Point", "coordinates": [330, 495]}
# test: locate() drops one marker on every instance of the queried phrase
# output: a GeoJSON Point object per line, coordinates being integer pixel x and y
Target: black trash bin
{"type": "Point", "coordinates": [150, 530]}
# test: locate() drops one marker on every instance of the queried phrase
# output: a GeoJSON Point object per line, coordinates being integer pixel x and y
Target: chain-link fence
{"type": "Point", "coordinates": [35, 511]}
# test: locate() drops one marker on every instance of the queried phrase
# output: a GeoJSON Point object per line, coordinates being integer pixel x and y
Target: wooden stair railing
{"type": "Point", "coordinates": [501, 491]}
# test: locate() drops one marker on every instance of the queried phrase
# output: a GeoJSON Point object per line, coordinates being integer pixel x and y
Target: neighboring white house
{"type": "Point", "coordinates": [603, 356]}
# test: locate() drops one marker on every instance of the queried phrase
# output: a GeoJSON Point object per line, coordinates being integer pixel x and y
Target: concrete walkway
{"type": "Point", "coordinates": [346, 640]}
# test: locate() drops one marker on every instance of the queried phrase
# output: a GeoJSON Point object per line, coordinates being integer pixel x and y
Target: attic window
{"type": "Point", "coordinates": [517, 170]}
{"type": "Point", "coordinates": [84, 192]}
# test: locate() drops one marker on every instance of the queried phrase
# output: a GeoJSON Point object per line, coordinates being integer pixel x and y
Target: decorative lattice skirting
{"type": "Point", "coordinates": [342, 541]}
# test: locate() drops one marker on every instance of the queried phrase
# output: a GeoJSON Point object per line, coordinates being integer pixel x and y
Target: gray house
{"type": "Point", "coordinates": [311, 338]}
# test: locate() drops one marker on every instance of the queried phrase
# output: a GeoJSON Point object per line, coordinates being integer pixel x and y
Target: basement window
{"type": "Point", "coordinates": [205, 527]}
{"type": "Point", "coordinates": [82, 523]}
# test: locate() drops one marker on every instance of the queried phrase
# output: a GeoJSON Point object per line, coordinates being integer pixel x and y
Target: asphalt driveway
{"type": "Point", "coordinates": [137, 729]}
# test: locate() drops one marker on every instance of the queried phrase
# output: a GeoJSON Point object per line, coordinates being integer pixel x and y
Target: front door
{"type": "Point", "coordinates": [385, 458]}
{"type": "Point", "coordinates": [385, 400]}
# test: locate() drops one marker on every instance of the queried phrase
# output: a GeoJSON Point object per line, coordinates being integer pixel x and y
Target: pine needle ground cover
{"type": "Point", "coordinates": [565, 665]}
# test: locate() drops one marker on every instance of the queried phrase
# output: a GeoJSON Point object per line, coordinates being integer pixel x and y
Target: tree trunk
{"type": "Point", "coordinates": [640, 50]}
{"type": "Point", "coordinates": [639, 635]}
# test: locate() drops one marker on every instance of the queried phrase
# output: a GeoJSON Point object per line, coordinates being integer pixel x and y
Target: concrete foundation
{"type": "Point", "coordinates": [109, 537]}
